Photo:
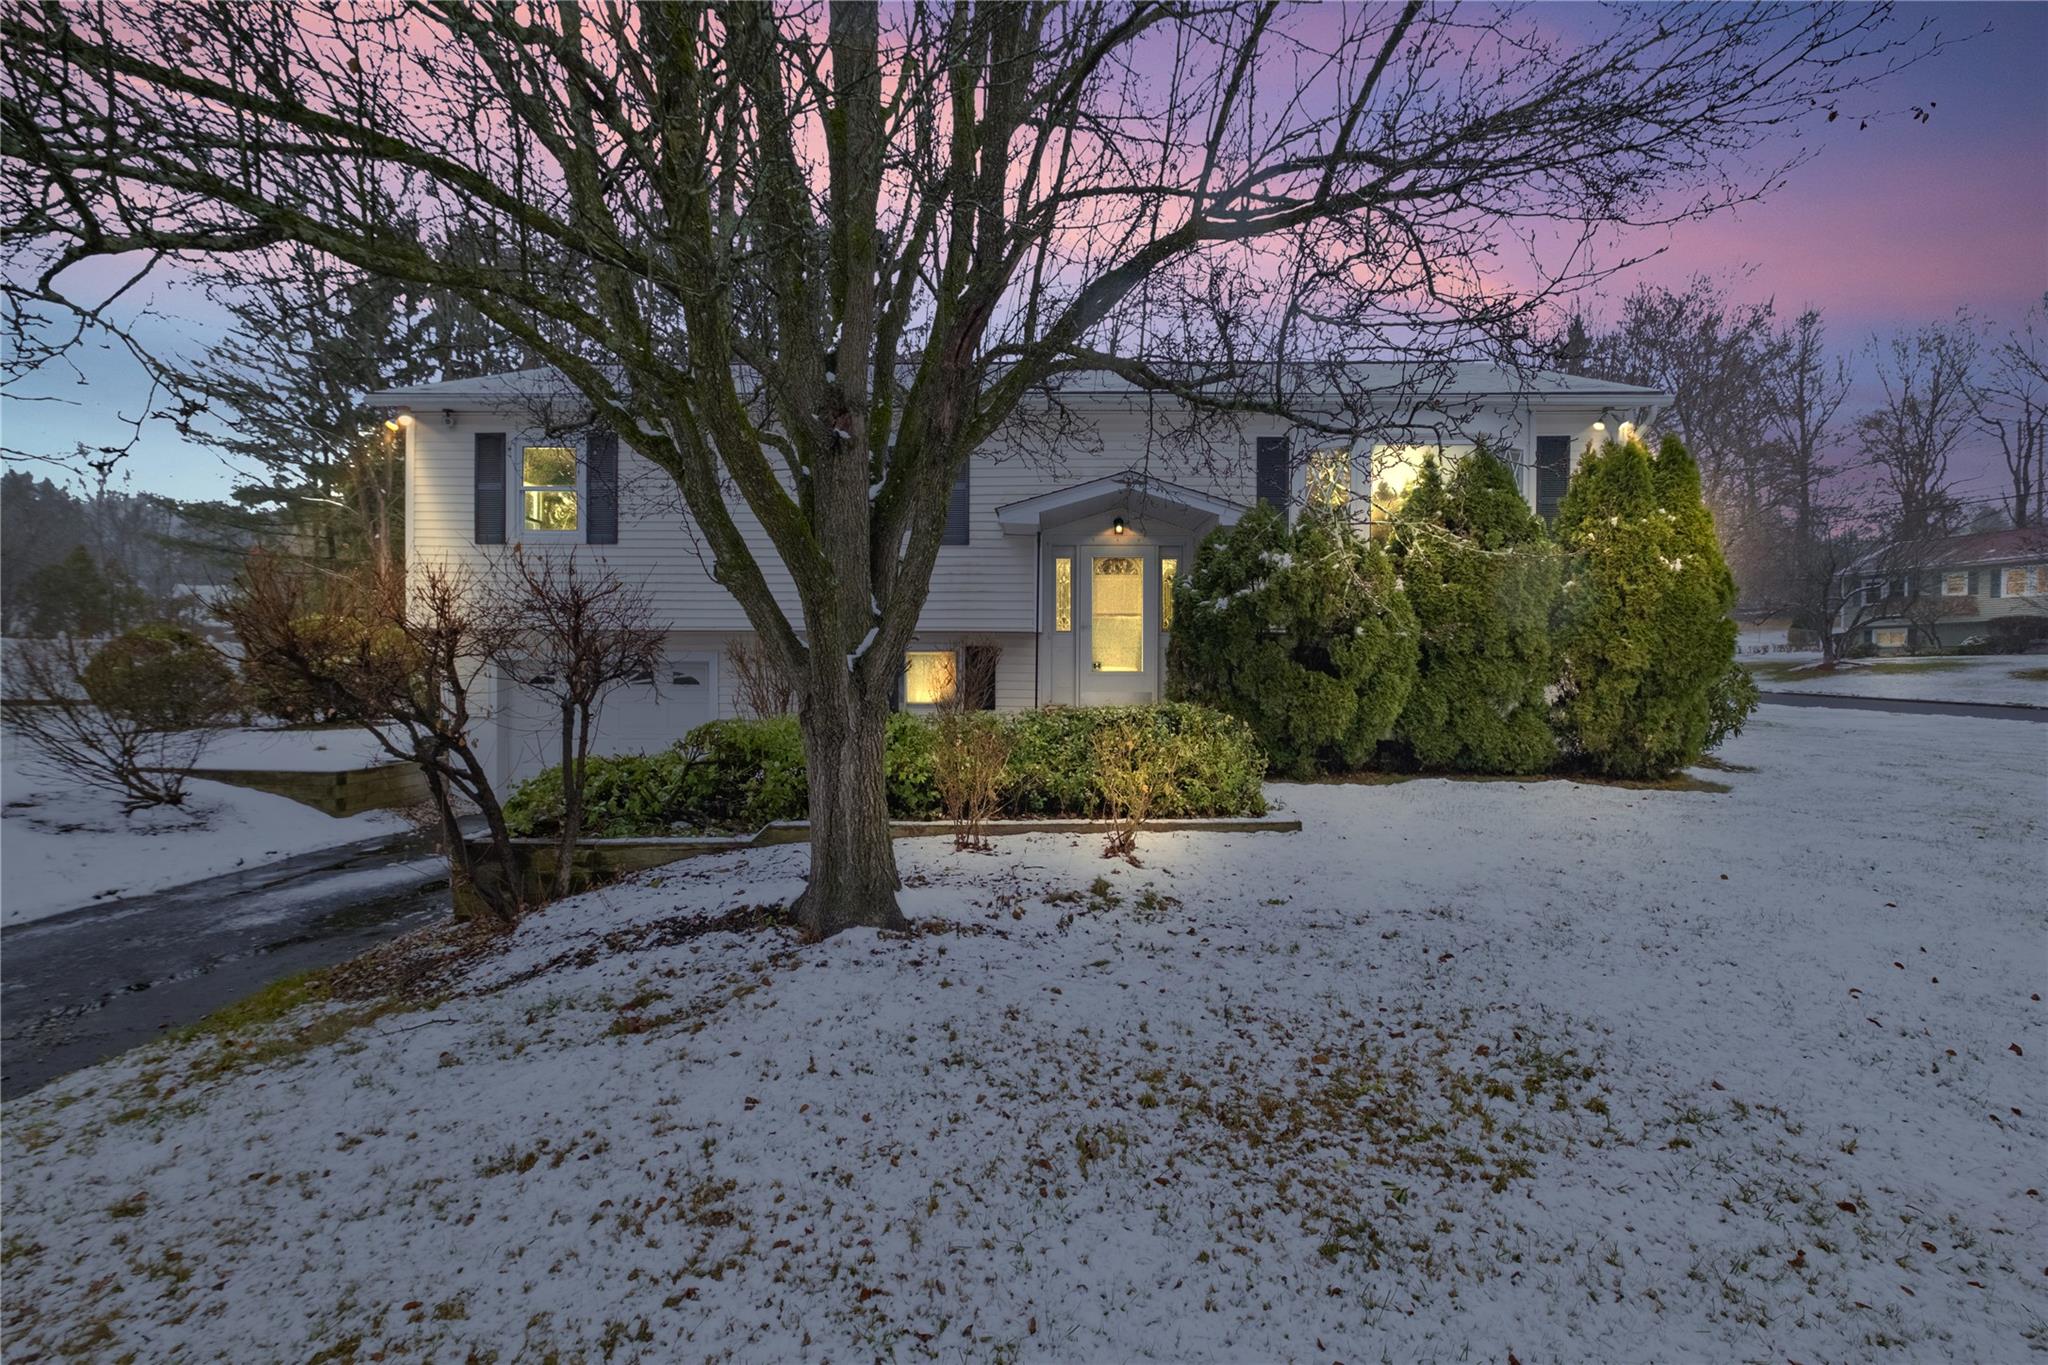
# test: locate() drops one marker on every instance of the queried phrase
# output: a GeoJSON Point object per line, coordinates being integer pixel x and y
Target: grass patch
{"type": "Point", "coordinates": [2031, 674]}
{"type": "Point", "coordinates": [1683, 782]}
{"type": "Point", "coordinates": [249, 1032]}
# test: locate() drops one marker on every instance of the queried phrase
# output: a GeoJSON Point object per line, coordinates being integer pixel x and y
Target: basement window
{"type": "Point", "coordinates": [931, 677]}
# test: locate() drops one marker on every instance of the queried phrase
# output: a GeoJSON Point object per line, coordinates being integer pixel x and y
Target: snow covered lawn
{"type": "Point", "coordinates": [1465, 1068]}
{"type": "Point", "coordinates": [293, 751]}
{"type": "Point", "coordinates": [63, 846]}
{"type": "Point", "coordinates": [2000, 679]}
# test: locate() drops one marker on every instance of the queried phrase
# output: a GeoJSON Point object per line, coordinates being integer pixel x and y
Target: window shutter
{"type": "Point", "coordinates": [490, 488]}
{"type": "Point", "coordinates": [956, 513]}
{"type": "Point", "coordinates": [1271, 482]}
{"type": "Point", "coordinates": [601, 467]}
{"type": "Point", "coordinates": [1973, 582]}
{"type": "Point", "coordinates": [979, 664]}
{"type": "Point", "coordinates": [1553, 474]}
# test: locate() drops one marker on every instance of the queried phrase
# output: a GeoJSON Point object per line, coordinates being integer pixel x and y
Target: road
{"type": "Point", "coordinates": [80, 987]}
{"type": "Point", "coordinates": [1973, 709]}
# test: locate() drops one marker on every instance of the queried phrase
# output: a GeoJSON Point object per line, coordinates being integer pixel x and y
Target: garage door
{"type": "Point", "coordinates": [635, 718]}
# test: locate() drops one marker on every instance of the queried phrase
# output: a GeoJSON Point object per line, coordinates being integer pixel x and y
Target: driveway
{"type": "Point", "coordinates": [80, 987]}
{"type": "Point", "coordinates": [1972, 709]}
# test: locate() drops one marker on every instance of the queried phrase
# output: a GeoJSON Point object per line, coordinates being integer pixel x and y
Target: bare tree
{"type": "Point", "coordinates": [408, 659]}
{"type": "Point", "coordinates": [807, 259]}
{"type": "Point", "coordinates": [759, 686]}
{"type": "Point", "coordinates": [134, 755]}
{"type": "Point", "coordinates": [1928, 410]}
{"type": "Point", "coordinates": [2013, 406]}
{"type": "Point", "coordinates": [575, 637]}
{"type": "Point", "coordinates": [1804, 392]}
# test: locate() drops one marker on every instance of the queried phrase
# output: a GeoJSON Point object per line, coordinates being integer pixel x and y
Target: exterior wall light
{"type": "Point", "coordinates": [1117, 527]}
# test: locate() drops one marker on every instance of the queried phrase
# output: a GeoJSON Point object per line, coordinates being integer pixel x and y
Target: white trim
{"type": "Point", "coordinates": [1141, 494]}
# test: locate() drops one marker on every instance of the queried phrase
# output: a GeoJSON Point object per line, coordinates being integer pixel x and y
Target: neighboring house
{"type": "Point", "coordinates": [1058, 569]}
{"type": "Point", "coordinates": [1945, 592]}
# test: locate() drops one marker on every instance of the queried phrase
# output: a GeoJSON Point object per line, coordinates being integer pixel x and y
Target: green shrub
{"type": "Point", "coordinates": [1482, 578]}
{"type": "Point", "coordinates": [1302, 632]}
{"type": "Point", "coordinates": [1053, 771]}
{"type": "Point", "coordinates": [737, 775]}
{"type": "Point", "coordinates": [162, 677]}
{"type": "Point", "coordinates": [1729, 704]}
{"type": "Point", "coordinates": [1643, 631]}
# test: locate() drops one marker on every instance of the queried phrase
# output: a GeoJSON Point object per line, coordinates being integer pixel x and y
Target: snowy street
{"type": "Point", "coordinates": [1466, 1067]}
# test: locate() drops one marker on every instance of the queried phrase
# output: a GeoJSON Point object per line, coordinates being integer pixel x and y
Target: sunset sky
{"type": "Point", "coordinates": [1896, 225]}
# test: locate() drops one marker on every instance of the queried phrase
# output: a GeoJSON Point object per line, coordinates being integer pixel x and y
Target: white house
{"type": "Point", "coordinates": [1059, 563]}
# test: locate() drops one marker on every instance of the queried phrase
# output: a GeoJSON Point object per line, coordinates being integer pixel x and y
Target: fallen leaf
{"type": "Point", "coordinates": [2014, 1049]}
{"type": "Point", "coordinates": [1845, 1206]}
{"type": "Point", "coordinates": [1929, 1247]}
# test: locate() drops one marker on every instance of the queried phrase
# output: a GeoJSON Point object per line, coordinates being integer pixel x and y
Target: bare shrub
{"type": "Point", "coordinates": [117, 749]}
{"type": "Point", "coordinates": [575, 637]}
{"type": "Point", "coordinates": [403, 656]}
{"type": "Point", "coordinates": [1134, 767]}
{"type": "Point", "coordinates": [970, 763]}
{"type": "Point", "coordinates": [759, 687]}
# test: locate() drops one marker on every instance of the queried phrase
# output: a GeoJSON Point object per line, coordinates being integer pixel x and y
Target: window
{"type": "Point", "coordinates": [1890, 637]}
{"type": "Point", "coordinates": [1116, 624]}
{"type": "Point", "coordinates": [2015, 582]}
{"type": "Point", "coordinates": [548, 488]}
{"type": "Point", "coordinates": [1063, 593]}
{"type": "Point", "coordinates": [1328, 479]}
{"type": "Point", "coordinates": [930, 677]}
{"type": "Point", "coordinates": [1955, 585]}
{"type": "Point", "coordinates": [1395, 468]}
{"type": "Point", "coordinates": [1169, 569]}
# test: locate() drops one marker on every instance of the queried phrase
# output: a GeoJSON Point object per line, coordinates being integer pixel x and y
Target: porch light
{"type": "Point", "coordinates": [390, 424]}
{"type": "Point", "coordinates": [1117, 527]}
{"type": "Point", "coordinates": [1599, 426]}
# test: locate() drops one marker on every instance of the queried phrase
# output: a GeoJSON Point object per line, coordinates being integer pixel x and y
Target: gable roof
{"type": "Point", "coordinates": [1144, 494]}
{"type": "Point", "coordinates": [1977, 548]}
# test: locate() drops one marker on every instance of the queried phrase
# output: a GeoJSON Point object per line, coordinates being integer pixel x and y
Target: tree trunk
{"type": "Point", "coordinates": [853, 862]}
{"type": "Point", "coordinates": [572, 794]}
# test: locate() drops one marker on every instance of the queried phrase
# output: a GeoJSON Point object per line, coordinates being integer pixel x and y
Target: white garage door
{"type": "Point", "coordinates": [635, 718]}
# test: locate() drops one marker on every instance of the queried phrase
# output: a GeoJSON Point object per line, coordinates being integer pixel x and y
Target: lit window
{"type": "Point", "coordinates": [1063, 593]}
{"type": "Point", "coordinates": [2015, 582]}
{"type": "Point", "coordinates": [1890, 637]}
{"type": "Point", "coordinates": [548, 480]}
{"type": "Point", "coordinates": [1955, 585]}
{"type": "Point", "coordinates": [1116, 619]}
{"type": "Point", "coordinates": [1328, 480]}
{"type": "Point", "coordinates": [1395, 468]}
{"type": "Point", "coordinates": [930, 677]}
{"type": "Point", "coordinates": [1169, 569]}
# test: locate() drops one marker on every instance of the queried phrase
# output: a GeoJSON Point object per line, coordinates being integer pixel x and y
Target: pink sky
{"type": "Point", "coordinates": [1885, 228]}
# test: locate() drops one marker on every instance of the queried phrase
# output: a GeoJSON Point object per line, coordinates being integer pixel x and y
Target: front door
{"type": "Point", "coordinates": [1117, 624]}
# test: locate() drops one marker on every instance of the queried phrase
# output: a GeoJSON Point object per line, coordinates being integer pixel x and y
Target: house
{"type": "Point", "coordinates": [1055, 570]}
{"type": "Point", "coordinates": [1945, 592]}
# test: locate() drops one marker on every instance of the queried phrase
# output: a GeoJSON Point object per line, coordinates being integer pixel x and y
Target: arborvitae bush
{"type": "Point", "coordinates": [1302, 632]}
{"type": "Point", "coordinates": [1643, 634]}
{"type": "Point", "coordinates": [1482, 577]}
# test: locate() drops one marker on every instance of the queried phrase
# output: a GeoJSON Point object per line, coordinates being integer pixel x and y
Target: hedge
{"type": "Point", "coordinates": [731, 775]}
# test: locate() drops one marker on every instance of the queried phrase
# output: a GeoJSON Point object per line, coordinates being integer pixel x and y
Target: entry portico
{"type": "Point", "coordinates": [1109, 550]}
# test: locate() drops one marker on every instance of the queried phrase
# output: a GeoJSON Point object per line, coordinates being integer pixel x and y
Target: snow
{"type": "Point", "coordinates": [1990, 678]}
{"type": "Point", "coordinates": [293, 751]}
{"type": "Point", "coordinates": [63, 846]}
{"type": "Point", "coordinates": [1578, 1072]}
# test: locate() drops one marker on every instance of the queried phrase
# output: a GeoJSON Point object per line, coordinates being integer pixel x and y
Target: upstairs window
{"type": "Point", "coordinates": [1955, 585]}
{"type": "Point", "coordinates": [1395, 468]}
{"type": "Point", "coordinates": [1328, 480]}
{"type": "Point", "coordinates": [548, 488]}
{"type": "Point", "coordinates": [2015, 582]}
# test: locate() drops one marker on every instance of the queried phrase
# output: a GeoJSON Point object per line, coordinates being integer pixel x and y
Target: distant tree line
{"type": "Point", "coordinates": [1801, 484]}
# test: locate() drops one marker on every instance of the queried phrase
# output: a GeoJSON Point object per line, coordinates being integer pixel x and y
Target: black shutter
{"type": "Point", "coordinates": [601, 461]}
{"type": "Point", "coordinates": [1271, 483]}
{"type": "Point", "coordinates": [490, 488]}
{"type": "Point", "coordinates": [1973, 582]}
{"type": "Point", "coordinates": [956, 513]}
{"type": "Point", "coordinates": [1553, 474]}
{"type": "Point", "coordinates": [979, 664]}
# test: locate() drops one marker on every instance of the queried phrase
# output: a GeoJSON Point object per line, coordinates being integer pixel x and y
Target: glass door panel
{"type": "Point", "coordinates": [1117, 614]}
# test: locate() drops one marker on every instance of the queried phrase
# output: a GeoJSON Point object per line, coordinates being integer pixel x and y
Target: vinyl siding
{"type": "Point", "coordinates": [987, 586]}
